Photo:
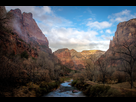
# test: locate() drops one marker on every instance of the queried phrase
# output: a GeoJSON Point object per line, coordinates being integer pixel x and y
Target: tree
{"type": "Point", "coordinates": [103, 64]}
{"type": "Point", "coordinates": [126, 55]}
{"type": "Point", "coordinates": [91, 68]}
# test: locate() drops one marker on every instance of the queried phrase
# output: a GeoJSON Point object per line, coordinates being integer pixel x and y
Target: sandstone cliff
{"type": "Point", "coordinates": [21, 33]}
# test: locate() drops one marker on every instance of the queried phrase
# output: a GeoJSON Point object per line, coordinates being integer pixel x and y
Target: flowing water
{"type": "Point", "coordinates": [65, 90]}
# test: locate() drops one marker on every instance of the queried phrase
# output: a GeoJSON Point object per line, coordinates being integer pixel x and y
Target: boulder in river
{"type": "Point", "coordinates": [74, 91]}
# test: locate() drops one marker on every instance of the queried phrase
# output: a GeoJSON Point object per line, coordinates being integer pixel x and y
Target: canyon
{"type": "Point", "coordinates": [27, 59]}
{"type": "Point", "coordinates": [23, 34]}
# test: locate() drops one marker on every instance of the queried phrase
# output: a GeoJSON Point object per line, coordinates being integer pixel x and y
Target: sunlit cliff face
{"type": "Point", "coordinates": [75, 60]}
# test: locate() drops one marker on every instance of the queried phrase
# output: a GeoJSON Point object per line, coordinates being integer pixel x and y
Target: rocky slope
{"type": "Point", "coordinates": [73, 59]}
{"type": "Point", "coordinates": [20, 33]}
{"type": "Point", "coordinates": [64, 56]}
{"type": "Point", "coordinates": [78, 59]}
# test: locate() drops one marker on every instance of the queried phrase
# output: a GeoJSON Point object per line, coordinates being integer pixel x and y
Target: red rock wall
{"type": "Point", "coordinates": [73, 59]}
{"type": "Point", "coordinates": [26, 28]}
{"type": "Point", "coordinates": [65, 57]}
{"type": "Point", "coordinates": [23, 33]}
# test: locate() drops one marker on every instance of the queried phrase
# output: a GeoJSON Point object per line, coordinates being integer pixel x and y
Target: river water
{"type": "Point", "coordinates": [65, 90]}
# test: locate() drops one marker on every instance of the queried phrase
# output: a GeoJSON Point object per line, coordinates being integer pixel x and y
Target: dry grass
{"type": "Point", "coordinates": [26, 91]}
{"type": "Point", "coordinates": [123, 88]}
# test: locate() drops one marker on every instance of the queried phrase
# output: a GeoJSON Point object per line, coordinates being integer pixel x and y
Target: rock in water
{"type": "Point", "coordinates": [75, 91]}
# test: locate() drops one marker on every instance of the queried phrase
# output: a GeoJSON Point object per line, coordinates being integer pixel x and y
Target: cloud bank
{"type": "Point", "coordinates": [121, 16]}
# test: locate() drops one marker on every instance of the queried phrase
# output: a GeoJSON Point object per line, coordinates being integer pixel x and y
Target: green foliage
{"type": "Point", "coordinates": [46, 87]}
{"type": "Point", "coordinates": [74, 82]}
{"type": "Point", "coordinates": [33, 58]}
{"type": "Point", "coordinates": [24, 55]}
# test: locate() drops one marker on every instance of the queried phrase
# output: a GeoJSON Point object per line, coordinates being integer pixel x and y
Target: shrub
{"type": "Point", "coordinates": [52, 85]}
{"type": "Point", "coordinates": [74, 82]}
{"type": "Point", "coordinates": [113, 93]}
{"type": "Point", "coordinates": [101, 91]}
{"type": "Point", "coordinates": [24, 55]}
{"type": "Point", "coordinates": [98, 90]}
{"type": "Point", "coordinates": [95, 90]}
{"type": "Point", "coordinates": [44, 84]}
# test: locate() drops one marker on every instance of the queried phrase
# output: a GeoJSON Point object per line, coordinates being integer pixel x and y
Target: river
{"type": "Point", "coordinates": [65, 90]}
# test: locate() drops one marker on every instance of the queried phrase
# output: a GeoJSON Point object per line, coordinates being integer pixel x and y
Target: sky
{"type": "Point", "coordinates": [79, 27]}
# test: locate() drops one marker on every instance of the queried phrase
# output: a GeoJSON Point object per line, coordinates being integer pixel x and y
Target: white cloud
{"type": "Point", "coordinates": [106, 37]}
{"type": "Point", "coordinates": [99, 25]}
{"type": "Point", "coordinates": [60, 9]}
{"type": "Point", "coordinates": [121, 16]}
{"type": "Point", "coordinates": [125, 12]}
{"type": "Point", "coordinates": [89, 19]}
{"type": "Point", "coordinates": [73, 39]}
{"type": "Point", "coordinates": [100, 45]}
{"type": "Point", "coordinates": [46, 9]}
{"type": "Point", "coordinates": [101, 31]}
{"type": "Point", "coordinates": [108, 31]}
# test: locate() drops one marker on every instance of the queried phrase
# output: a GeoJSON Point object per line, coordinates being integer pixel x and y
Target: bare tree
{"type": "Point", "coordinates": [126, 55]}
{"type": "Point", "coordinates": [91, 68]}
{"type": "Point", "coordinates": [103, 64]}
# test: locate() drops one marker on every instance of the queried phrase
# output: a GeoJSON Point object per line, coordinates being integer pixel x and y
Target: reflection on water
{"type": "Point", "coordinates": [65, 90]}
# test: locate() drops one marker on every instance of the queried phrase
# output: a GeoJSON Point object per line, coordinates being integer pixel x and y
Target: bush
{"type": "Point", "coordinates": [46, 87]}
{"type": "Point", "coordinates": [95, 90]}
{"type": "Point", "coordinates": [101, 91]}
{"type": "Point", "coordinates": [44, 84]}
{"type": "Point", "coordinates": [98, 90]}
{"type": "Point", "coordinates": [113, 93]}
{"type": "Point", "coordinates": [74, 82]}
{"type": "Point", "coordinates": [24, 55]}
{"type": "Point", "coordinates": [53, 85]}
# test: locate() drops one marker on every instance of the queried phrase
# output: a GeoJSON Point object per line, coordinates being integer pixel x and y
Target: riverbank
{"type": "Point", "coordinates": [31, 89]}
{"type": "Point", "coordinates": [65, 90]}
{"type": "Point", "coordinates": [93, 89]}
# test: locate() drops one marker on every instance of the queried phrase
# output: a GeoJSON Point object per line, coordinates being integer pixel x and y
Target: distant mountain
{"type": "Point", "coordinates": [87, 53]}
{"type": "Point", "coordinates": [64, 56]}
{"type": "Point", "coordinates": [73, 59]}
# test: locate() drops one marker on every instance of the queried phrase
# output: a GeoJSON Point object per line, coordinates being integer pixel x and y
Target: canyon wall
{"type": "Point", "coordinates": [21, 33]}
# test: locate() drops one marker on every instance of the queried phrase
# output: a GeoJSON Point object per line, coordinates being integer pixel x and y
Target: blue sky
{"type": "Point", "coordinates": [79, 27]}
